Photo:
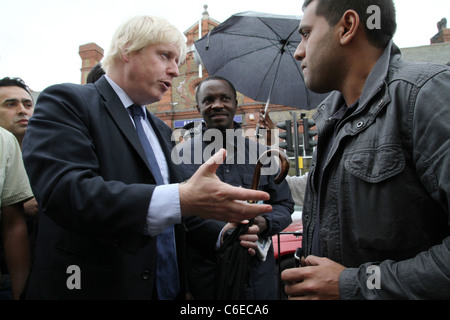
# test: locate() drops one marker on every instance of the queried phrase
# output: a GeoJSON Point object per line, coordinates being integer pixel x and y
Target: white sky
{"type": "Point", "coordinates": [39, 40]}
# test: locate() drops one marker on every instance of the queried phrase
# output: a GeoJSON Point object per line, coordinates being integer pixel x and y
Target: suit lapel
{"type": "Point", "coordinates": [120, 116]}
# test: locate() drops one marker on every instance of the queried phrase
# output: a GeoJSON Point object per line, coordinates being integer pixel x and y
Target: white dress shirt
{"type": "Point", "coordinates": [164, 207]}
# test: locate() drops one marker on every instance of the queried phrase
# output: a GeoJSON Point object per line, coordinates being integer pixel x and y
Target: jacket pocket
{"type": "Point", "coordinates": [380, 200]}
{"type": "Point", "coordinates": [88, 251]}
{"type": "Point", "coordinates": [376, 165]}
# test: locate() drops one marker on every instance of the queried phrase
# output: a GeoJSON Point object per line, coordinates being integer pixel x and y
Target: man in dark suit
{"type": "Point", "coordinates": [102, 209]}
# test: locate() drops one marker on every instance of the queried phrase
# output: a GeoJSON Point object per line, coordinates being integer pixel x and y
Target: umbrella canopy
{"type": "Point", "coordinates": [255, 51]}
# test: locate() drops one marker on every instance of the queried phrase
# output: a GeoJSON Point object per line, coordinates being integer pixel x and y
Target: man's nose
{"type": "Point", "coordinates": [22, 109]}
{"type": "Point", "coordinates": [300, 52]}
{"type": "Point", "coordinates": [217, 104]}
{"type": "Point", "coordinates": [173, 69]}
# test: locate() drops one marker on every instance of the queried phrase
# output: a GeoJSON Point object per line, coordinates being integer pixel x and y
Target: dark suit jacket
{"type": "Point", "coordinates": [90, 176]}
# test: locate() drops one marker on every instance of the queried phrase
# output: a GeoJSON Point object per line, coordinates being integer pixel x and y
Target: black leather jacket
{"type": "Point", "coordinates": [385, 191]}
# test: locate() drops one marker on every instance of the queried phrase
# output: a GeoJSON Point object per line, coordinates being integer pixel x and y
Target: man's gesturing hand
{"type": "Point", "coordinates": [204, 195]}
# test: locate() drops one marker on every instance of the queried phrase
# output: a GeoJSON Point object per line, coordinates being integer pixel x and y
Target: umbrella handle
{"type": "Point", "coordinates": [281, 175]}
{"type": "Point", "coordinates": [258, 135]}
{"type": "Point", "coordinates": [266, 107]}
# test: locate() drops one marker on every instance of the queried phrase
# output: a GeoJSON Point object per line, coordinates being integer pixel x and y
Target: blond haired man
{"type": "Point", "coordinates": [105, 205]}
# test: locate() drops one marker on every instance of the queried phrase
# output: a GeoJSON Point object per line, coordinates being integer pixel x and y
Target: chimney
{"type": "Point", "coordinates": [443, 34]}
{"type": "Point", "coordinates": [90, 54]}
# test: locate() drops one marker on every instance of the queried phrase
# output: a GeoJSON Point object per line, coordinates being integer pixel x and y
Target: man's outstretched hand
{"type": "Point", "coordinates": [205, 195]}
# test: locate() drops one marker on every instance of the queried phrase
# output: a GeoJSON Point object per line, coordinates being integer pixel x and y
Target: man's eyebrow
{"type": "Point", "coordinates": [302, 27]}
{"type": "Point", "coordinates": [15, 100]}
{"type": "Point", "coordinates": [10, 100]}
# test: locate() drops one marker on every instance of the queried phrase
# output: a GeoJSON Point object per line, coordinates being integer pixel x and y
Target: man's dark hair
{"type": "Point", "coordinates": [214, 78]}
{"type": "Point", "coordinates": [17, 82]}
{"type": "Point", "coordinates": [333, 10]}
{"type": "Point", "coordinates": [95, 73]}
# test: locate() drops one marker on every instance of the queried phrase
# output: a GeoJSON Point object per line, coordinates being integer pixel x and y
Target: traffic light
{"type": "Point", "coordinates": [300, 143]}
{"type": "Point", "coordinates": [286, 135]}
{"type": "Point", "coordinates": [308, 134]}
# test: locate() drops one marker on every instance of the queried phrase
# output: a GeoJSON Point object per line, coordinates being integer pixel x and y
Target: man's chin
{"type": "Point", "coordinates": [219, 124]}
{"type": "Point", "coordinates": [316, 87]}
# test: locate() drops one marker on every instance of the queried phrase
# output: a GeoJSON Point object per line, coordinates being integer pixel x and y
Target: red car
{"type": "Point", "coordinates": [290, 239]}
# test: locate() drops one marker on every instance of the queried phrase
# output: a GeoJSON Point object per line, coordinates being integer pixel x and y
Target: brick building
{"type": "Point", "coordinates": [438, 51]}
{"type": "Point", "coordinates": [178, 106]}
{"type": "Point", "coordinates": [443, 34]}
{"type": "Point", "coordinates": [90, 54]}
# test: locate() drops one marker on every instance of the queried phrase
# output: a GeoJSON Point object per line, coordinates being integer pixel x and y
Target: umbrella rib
{"type": "Point", "coordinates": [251, 36]}
{"type": "Point", "coordinates": [275, 76]}
{"type": "Point", "coordinates": [279, 54]}
{"type": "Point", "coordinates": [273, 41]}
{"type": "Point", "coordinates": [242, 55]}
{"type": "Point", "coordinates": [279, 37]}
{"type": "Point", "coordinates": [270, 28]}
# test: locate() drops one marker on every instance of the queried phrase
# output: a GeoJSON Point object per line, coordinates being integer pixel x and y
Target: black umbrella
{"type": "Point", "coordinates": [255, 51]}
{"type": "Point", "coordinates": [232, 267]}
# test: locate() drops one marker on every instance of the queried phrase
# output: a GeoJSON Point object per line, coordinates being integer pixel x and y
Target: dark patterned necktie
{"type": "Point", "coordinates": [167, 282]}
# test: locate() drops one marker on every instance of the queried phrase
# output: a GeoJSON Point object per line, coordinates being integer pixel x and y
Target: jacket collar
{"type": "Point", "coordinates": [377, 77]}
{"type": "Point", "coordinates": [119, 114]}
{"type": "Point", "coordinates": [374, 83]}
{"type": "Point", "coordinates": [116, 108]}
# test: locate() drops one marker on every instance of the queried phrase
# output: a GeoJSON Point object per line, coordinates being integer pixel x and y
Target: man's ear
{"type": "Point", "coordinates": [125, 54]}
{"type": "Point", "coordinates": [198, 109]}
{"type": "Point", "coordinates": [348, 26]}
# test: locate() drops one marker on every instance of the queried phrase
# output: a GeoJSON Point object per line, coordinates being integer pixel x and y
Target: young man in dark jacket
{"type": "Point", "coordinates": [376, 209]}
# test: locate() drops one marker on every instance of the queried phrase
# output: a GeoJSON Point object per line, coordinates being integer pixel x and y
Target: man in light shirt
{"type": "Point", "coordinates": [16, 108]}
{"type": "Point", "coordinates": [14, 190]}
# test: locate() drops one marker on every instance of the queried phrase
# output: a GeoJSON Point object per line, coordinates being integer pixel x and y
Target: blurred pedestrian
{"type": "Point", "coordinates": [14, 190]}
{"type": "Point", "coordinates": [95, 73]}
{"type": "Point", "coordinates": [16, 108]}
